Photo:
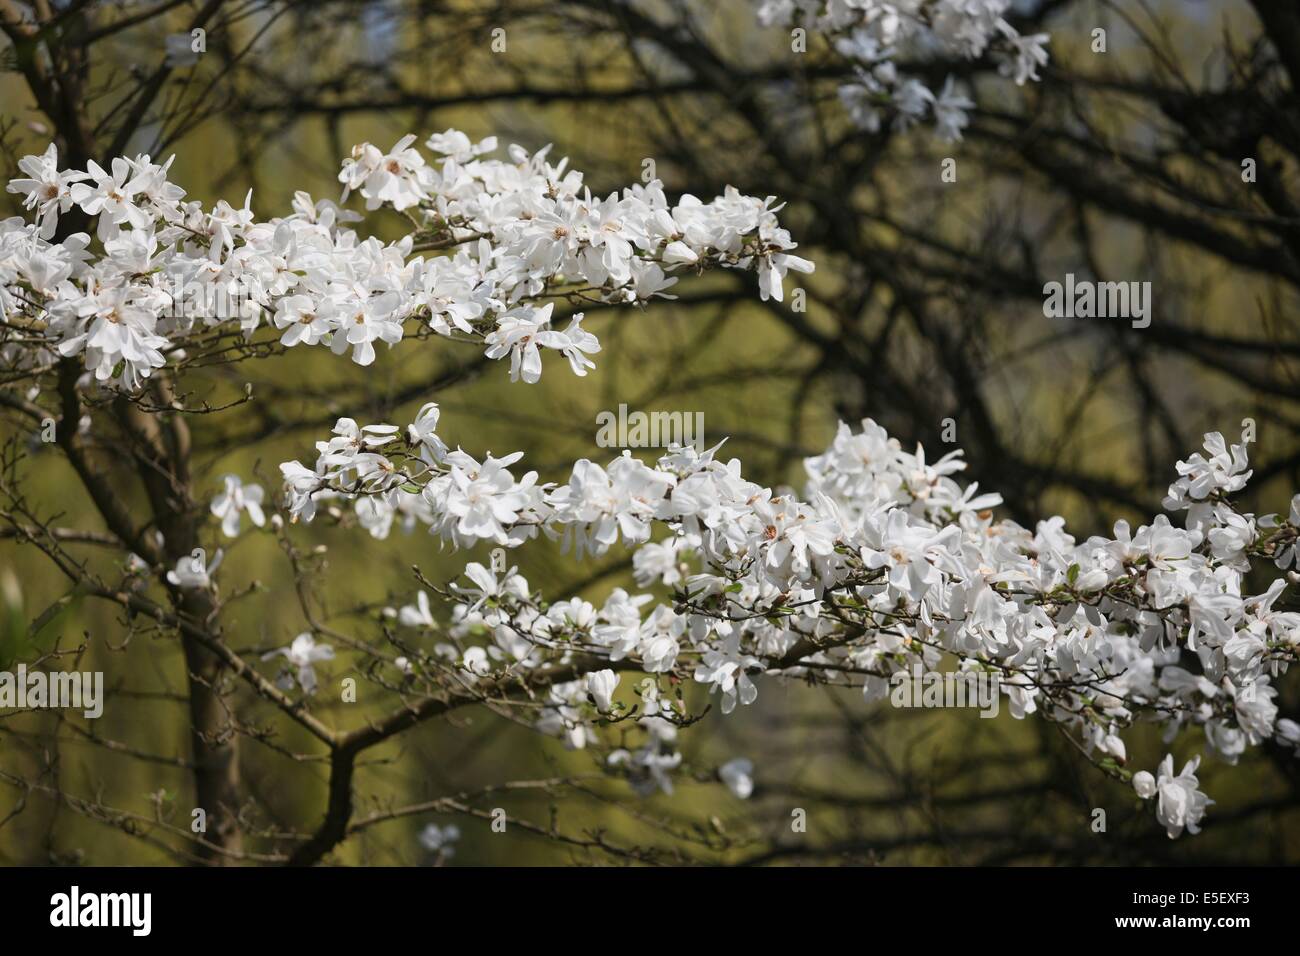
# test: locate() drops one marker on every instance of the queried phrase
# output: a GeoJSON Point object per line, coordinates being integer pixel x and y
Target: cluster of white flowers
{"type": "Point", "coordinates": [885, 563]}
{"type": "Point", "coordinates": [1181, 804]}
{"type": "Point", "coordinates": [875, 34]}
{"type": "Point", "coordinates": [517, 232]}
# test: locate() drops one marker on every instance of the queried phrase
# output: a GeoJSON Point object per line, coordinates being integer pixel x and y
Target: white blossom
{"type": "Point", "coordinates": [601, 685]}
{"type": "Point", "coordinates": [235, 499]}
{"type": "Point", "coordinates": [300, 657]}
{"type": "Point", "coordinates": [876, 35]}
{"type": "Point", "coordinates": [738, 776]}
{"type": "Point", "coordinates": [1181, 805]}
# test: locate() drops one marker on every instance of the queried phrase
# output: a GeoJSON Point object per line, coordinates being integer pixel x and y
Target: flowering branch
{"type": "Point", "coordinates": [885, 567]}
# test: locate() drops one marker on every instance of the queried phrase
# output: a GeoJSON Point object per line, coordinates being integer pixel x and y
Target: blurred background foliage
{"type": "Point", "coordinates": [926, 305]}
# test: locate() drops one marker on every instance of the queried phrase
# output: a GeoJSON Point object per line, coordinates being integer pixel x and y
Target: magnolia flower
{"type": "Point", "coordinates": [950, 112]}
{"type": "Point", "coordinates": [772, 269]}
{"type": "Point", "coordinates": [117, 326]}
{"type": "Point", "coordinates": [575, 343]}
{"type": "Point", "coordinates": [725, 669]}
{"type": "Point", "coordinates": [111, 198]}
{"type": "Point", "coordinates": [364, 322]}
{"type": "Point", "coordinates": [398, 178]}
{"type": "Point", "coordinates": [234, 499]}
{"type": "Point", "coordinates": [649, 280]}
{"type": "Point", "coordinates": [417, 614]}
{"type": "Point", "coordinates": [458, 146]}
{"type": "Point", "coordinates": [1223, 471]}
{"type": "Point", "coordinates": [305, 319]}
{"type": "Point", "coordinates": [484, 499]}
{"type": "Point", "coordinates": [648, 771]}
{"type": "Point", "coordinates": [519, 334]}
{"type": "Point", "coordinates": [1112, 745]}
{"type": "Point", "coordinates": [738, 775]}
{"type": "Point", "coordinates": [562, 718]}
{"type": "Point", "coordinates": [600, 685]}
{"type": "Point", "coordinates": [193, 570]}
{"type": "Point", "coordinates": [46, 190]}
{"type": "Point", "coordinates": [301, 655]}
{"type": "Point", "coordinates": [1144, 784]}
{"type": "Point", "coordinates": [1181, 804]}
{"type": "Point", "coordinates": [488, 586]}
{"type": "Point", "coordinates": [659, 653]}
{"type": "Point", "coordinates": [422, 431]}
{"type": "Point", "coordinates": [476, 662]}
{"type": "Point", "coordinates": [300, 487]}
{"type": "Point", "coordinates": [1026, 56]}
